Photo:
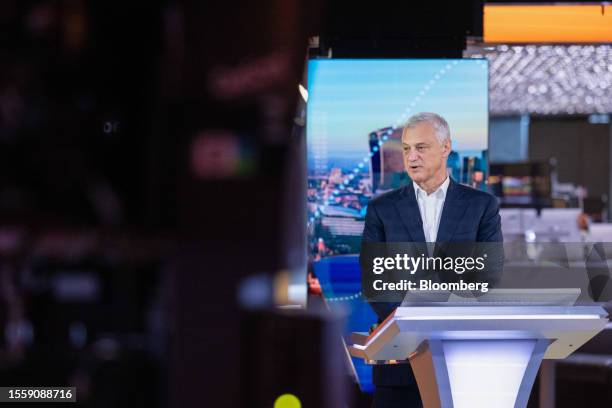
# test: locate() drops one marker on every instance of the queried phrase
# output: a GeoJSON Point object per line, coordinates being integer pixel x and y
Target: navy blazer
{"type": "Point", "coordinates": [468, 215]}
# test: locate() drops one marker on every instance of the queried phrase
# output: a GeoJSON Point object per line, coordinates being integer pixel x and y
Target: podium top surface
{"type": "Point", "coordinates": [487, 312]}
{"type": "Point", "coordinates": [500, 297]}
{"type": "Point", "coordinates": [566, 327]}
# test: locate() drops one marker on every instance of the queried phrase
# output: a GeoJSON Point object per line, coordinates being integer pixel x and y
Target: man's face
{"type": "Point", "coordinates": [424, 156]}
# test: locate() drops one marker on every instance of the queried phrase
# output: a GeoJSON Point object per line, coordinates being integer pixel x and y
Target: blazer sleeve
{"type": "Point", "coordinates": [491, 243]}
{"type": "Point", "coordinates": [489, 229]}
{"type": "Point", "coordinates": [374, 231]}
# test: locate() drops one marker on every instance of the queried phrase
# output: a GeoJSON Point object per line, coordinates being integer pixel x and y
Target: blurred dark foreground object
{"type": "Point", "coordinates": [293, 352]}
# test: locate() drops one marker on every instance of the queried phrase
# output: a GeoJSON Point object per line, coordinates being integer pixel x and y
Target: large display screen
{"type": "Point", "coordinates": [355, 114]}
{"type": "Point", "coordinates": [356, 109]}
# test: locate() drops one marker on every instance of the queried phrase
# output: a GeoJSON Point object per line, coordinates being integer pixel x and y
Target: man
{"type": "Point", "coordinates": [432, 208]}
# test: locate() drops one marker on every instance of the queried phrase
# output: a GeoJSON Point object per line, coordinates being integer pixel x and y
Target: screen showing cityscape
{"type": "Point", "coordinates": [355, 114]}
{"type": "Point", "coordinates": [356, 109]}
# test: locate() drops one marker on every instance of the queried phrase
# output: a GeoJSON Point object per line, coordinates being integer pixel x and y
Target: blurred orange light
{"type": "Point", "coordinates": [547, 23]}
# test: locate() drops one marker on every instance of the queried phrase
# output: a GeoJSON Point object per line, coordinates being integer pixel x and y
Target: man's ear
{"type": "Point", "coordinates": [446, 147]}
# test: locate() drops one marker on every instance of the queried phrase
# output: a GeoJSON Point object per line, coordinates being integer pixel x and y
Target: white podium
{"type": "Point", "coordinates": [478, 356]}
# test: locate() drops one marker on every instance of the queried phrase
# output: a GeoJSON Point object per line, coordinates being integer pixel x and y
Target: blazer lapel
{"type": "Point", "coordinates": [452, 213]}
{"type": "Point", "coordinates": [409, 213]}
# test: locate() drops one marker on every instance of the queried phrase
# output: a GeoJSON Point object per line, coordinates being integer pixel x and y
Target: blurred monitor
{"type": "Point", "coordinates": [557, 224]}
{"type": "Point", "coordinates": [550, 225]}
{"type": "Point", "coordinates": [521, 184]}
{"type": "Point", "coordinates": [516, 220]}
{"type": "Point", "coordinates": [600, 232]}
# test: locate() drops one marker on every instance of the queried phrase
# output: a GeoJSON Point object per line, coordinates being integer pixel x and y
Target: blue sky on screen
{"type": "Point", "coordinates": [347, 99]}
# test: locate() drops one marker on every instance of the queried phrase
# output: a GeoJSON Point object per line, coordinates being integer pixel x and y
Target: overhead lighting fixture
{"type": "Point", "coordinates": [303, 92]}
{"type": "Point", "coordinates": [548, 79]}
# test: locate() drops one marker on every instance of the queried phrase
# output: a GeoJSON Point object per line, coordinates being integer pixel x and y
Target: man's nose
{"type": "Point", "coordinates": [412, 156]}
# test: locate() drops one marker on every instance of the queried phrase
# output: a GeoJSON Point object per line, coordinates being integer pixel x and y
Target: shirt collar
{"type": "Point", "coordinates": [439, 193]}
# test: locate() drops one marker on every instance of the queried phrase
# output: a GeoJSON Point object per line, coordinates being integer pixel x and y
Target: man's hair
{"type": "Point", "coordinates": [438, 122]}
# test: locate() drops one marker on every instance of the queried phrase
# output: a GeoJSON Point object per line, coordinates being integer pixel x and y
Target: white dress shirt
{"type": "Point", "coordinates": [430, 206]}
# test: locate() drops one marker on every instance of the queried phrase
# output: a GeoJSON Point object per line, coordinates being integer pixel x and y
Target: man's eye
{"type": "Point", "coordinates": [421, 148]}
